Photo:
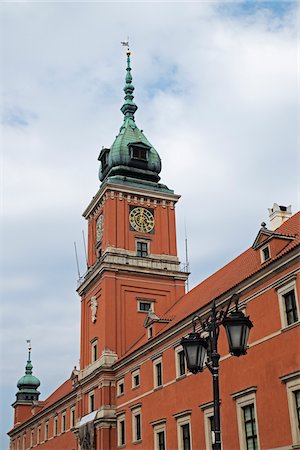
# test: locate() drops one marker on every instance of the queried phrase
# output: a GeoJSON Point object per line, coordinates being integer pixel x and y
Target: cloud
{"type": "Point", "coordinates": [216, 88]}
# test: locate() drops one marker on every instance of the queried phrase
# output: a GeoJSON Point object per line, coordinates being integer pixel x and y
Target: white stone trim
{"type": "Point", "coordinates": [281, 291]}
{"type": "Point", "coordinates": [135, 373]}
{"type": "Point", "coordinates": [159, 427]}
{"type": "Point", "coordinates": [183, 419]}
{"type": "Point", "coordinates": [177, 362]}
{"type": "Point", "coordinates": [121, 418]}
{"type": "Point", "coordinates": [157, 362]}
{"type": "Point", "coordinates": [245, 398]}
{"type": "Point", "coordinates": [135, 412]}
{"type": "Point", "coordinates": [293, 385]}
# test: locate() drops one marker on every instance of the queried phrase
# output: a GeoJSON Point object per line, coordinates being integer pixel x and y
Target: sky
{"type": "Point", "coordinates": [216, 87]}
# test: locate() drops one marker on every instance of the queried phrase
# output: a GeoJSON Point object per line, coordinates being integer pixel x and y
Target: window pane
{"type": "Point", "coordinates": [161, 440]}
{"type": "Point", "coordinates": [186, 437]}
{"type": "Point", "coordinates": [290, 307]}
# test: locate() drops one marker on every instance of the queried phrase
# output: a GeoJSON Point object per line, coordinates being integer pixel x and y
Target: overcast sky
{"type": "Point", "coordinates": [216, 87]}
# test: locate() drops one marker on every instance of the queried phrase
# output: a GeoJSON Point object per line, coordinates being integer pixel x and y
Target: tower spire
{"type": "Point", "coordinates": [28, 368]}
{"type": "Point", "coordinates": [129, 107]}
{"type": "Point", "coordinates": [28, 383]}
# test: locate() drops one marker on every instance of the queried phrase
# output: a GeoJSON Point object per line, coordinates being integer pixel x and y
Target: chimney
{"type": "Point", "coordinates": [278, 215]}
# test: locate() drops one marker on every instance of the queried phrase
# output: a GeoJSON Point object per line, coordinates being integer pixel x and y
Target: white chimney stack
{"type": "Point", "coordinates": [279, 214]}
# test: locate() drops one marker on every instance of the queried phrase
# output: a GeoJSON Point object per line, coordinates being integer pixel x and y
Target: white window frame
{"type": "Point", "coordinates": [38, 435]}
{"type": "Point", "coordinates": [90, 395]}
{"type": "Point", "coordinates": [63, 422]}
{"type": "Point", "coordinates": [46, 428]}
{"type": "Point", "coordinates": [31, 437]}
{"type": "Point", "coordinates": [293, 384]}
{"type": "Point", "coordinates": [119, 384]}
{"type": "Point", "coordinates": [24, 441]}
{"type": "Point", "coordinates": [94, 344]}
{"type": "Point", "coordinates": [72, 417]}
{"type": "Point", "coordinates": [143, 241]}
{"type": "Point", "coordinates": [55, 426]}
{"type": "Point", "coordinates": [245, 398]}
{"type": "Point", "coordinates": [135, 412]}
{"type": "Point", "coordinates": [156, 362]}
{"type": "Point", "coordinates": [121, 418]}
{"type": "Point", "coordinates": [158, 428]}
{"type": "Point", "coordinates": [281, 291]}
{"type": "Point", "coordinates": [145, 300]}
{"type": "Point", "coordinates": [183, 419]}
{"type": "Point", "coordinates": [262, 256]}
{"type": "Point", "coordinates": [177, 363]}
{"type": "Point", "coordinates": [133, 375]}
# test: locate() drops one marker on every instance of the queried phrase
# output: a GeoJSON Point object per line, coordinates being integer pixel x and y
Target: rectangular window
{"type": "Point", "coordinates": [290, 307]}
{"type": "Point", "coordinates": [91, 405]}
{"type": "Point", "coordinates": [247, 419]}
{"type": "Point", "coordinates": [38, 435]}
{"type": "Point", "coordinates": [46, 431]}
{"type": "Point", "coordinates": [136, 378]}
{"type": "Point", "coordinates": [137, 419]}
{"type": "Point", "coordinates": [158, 369]}
{"type": "Point", "coordinates": [120, 387]}
{"type": "Point", "coordinates": [292, 381]}
{"type": "Point", "coordinates": [159, 429]}
{"type": "Point", "coordinates": [141, 249]}
{"type": "Point", "coordinates": [24, 441]}
{"type": "Point", "coordinates": [63, 422]}
{"type": "Point", "coordinates": [185, 436]}
{"type": "Point", "coordinates": [72, 417]}
{"type": "Point", "coordinates": [55, 426]}
{"type": "Point", "coordinates": [297, 406]}
{"type": "Point", "coordinates": [136, 425]}
{"type": "Point", "coordinates": [180, 362]}
{"type": "Point", "coordinates": [265, 254]}
{"type": "Point", "coordinates": [94, 346]}
{"type": "Point", "coordinates": [288, 304]}
{"type": "Point", "coordinates": [121, 431]}
{"type": "Point", "coordinates": [250, 427]}
{"type": "Point", "coordinates": [145, 306]}
{"type": "Point", "coordinates": [32, 438]}
{"type": "Point", "coordinates": [158, 372]}
{"type": "Point", "coordinates": [184, 430]}
{"type": "Point", "coordinates": [161, 440]}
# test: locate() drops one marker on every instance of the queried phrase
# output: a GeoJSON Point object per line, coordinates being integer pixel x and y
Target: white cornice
{"type": "Point", "coordinates": [137, 191]}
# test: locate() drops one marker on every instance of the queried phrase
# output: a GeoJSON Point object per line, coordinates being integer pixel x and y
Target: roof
{"type": "Point", "coordinates": [239, 269]}
{"type": "Point", "coordinates": [63, 390]}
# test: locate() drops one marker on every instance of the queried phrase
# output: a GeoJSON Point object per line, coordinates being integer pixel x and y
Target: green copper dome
{"type": "Point", "coordinates": [131, 157]}
{"type": "Point", "coordinates": [28, 384]}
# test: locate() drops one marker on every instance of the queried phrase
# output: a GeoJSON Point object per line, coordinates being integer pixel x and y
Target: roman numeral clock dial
{"type": "Point", "coordinates": [141, 219]}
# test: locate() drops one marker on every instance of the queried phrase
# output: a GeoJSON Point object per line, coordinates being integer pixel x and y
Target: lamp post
{"type": "Point", "coordinates": [196, 348]}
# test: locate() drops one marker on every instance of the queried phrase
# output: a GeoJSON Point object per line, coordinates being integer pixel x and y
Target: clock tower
{"type": "Point", "coordinates": [133, 268]}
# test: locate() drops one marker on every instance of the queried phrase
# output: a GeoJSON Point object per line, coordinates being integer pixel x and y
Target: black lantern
{"type": "Point", "coordinates": [195, 350]}
{"type": "Point", "coordinates": [237, 327]}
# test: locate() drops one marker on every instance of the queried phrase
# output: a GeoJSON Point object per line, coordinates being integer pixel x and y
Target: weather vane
{"type": "Point", "coordinates": [126, 44]}
{"type": "Point", "coordinates": [29, 344]}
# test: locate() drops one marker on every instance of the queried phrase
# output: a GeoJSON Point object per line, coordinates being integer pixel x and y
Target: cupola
{"type": "Point", "coordinates": [131, 158]}
{"type": "Point", "coordinates": [28, 383]}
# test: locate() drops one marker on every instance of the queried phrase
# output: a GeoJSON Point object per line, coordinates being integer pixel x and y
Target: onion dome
{"type": "Point", "coordinates": [131, 158]}
{"type": "Point", "coordinates": [28, 383]}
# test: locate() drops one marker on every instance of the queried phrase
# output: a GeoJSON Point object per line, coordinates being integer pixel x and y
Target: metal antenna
{"type": "Point", "coordinates": [187, 264]}
{"type": "Point", "coordinates": [84, 245]}
{"type": "Point", "coordinates": [76, 256]}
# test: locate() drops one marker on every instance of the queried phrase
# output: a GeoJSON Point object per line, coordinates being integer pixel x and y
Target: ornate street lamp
{"type": "Point", "coordinates": [195, 347]}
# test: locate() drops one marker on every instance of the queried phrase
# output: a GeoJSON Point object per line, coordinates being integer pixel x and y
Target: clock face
{"type": "Point", "coordinates": [99, 228]}
{"type": "Point", "coordinates": [141, 219]}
